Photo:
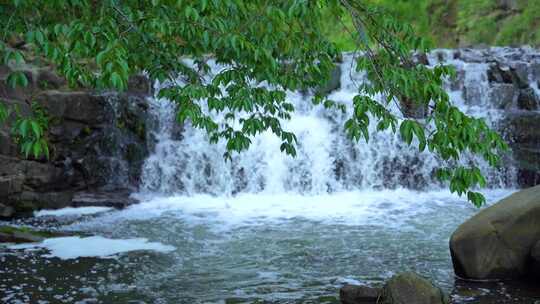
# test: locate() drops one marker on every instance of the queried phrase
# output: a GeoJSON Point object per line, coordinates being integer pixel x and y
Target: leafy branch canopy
{"type": "Point", "coordinates": [268, 47]}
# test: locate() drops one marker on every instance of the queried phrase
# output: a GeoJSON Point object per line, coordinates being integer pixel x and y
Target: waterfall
{"type": "Point", "coordinates": [184, 162]}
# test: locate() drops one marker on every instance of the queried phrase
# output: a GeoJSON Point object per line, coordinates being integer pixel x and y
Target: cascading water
{"type": "Point", "coordinates": [327, 160]}
{"type": "Point", "coordinates": [268, 228]}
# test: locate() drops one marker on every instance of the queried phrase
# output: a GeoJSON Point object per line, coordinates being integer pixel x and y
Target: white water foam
{"type": "Point", "coordinates": [327, 160]}
{"type": "Point", "coordinates": [74, 247]}
{"type": "Point", "coordinates": [72, 212]}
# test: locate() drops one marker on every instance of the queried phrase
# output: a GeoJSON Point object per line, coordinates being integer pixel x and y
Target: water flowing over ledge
{"type": "Point", "coordinates": [183, 162]}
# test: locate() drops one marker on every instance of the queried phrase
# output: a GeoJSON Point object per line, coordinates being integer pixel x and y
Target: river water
{"type": "Point", "coordinates": [265, 227]}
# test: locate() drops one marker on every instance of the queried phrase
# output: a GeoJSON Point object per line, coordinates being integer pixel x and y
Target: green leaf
{"type": "Point", "coordinates": [23, 128]}
{"type": "Point", "coordinates": [17, 79]}
{"type": "Point", "coordinates": [36, 129]}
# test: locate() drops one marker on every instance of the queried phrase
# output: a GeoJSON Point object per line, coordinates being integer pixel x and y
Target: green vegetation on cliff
{"type": "Point", "coordinates": [455, 23]}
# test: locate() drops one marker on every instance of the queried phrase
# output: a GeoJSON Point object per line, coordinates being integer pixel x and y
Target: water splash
{"type": "Point", "coordinates": [327, 160]}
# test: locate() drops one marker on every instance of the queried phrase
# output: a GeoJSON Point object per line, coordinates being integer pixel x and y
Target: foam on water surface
{"type": "Point", "coordinates": [70, 211]}
{"type": "Point", "coordinates": [74, 247]}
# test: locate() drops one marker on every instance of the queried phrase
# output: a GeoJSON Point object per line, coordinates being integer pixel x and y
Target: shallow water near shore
{"type": "Point", "coordinates": [252, 248]}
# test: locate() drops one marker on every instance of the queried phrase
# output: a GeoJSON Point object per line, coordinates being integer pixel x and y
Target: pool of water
{"type": "Point", "coordinates": [246, 249]}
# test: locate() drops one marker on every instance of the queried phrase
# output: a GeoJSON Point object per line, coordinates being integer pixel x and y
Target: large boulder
{"type": "Point", "coordinates": [496, 243]}
{"type": "Point", "coordinates": [408, 288]}
{"type": "Point", "coordinates": [535, 255]}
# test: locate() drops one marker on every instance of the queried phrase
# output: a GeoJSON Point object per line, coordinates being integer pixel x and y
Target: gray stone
{"type": "Point", "coordinates": [499, 73]}
{"type": "Point", "coordinates": [527, 99]}
{"type": "Point", "coordinates": [408, 288]}
{"type": "Point", "coordinates": [503, 95]}
{"type": "Point", "coordinates": [10, 234]}
{"type": "Point", "coordinates": [83, 107]}
{"type": "Point", "coordinates": [29, 201]}
{"type": "Point", "coordinates": [520, 74]}
{"type": "Point", "coordinates": [11, 166]}
{"type": "Point", "coordinates": [354, 294]}
{"type": "Point", "coordinates": [496, 242]}
{"type": "Point", "coordinates": [6, 212]}
{"type": "Point", "coordinates": [42, 176]}
{"type": "Point", "coordinates": [10, 185]}
{"type": "Point", "coordinates": [412, 108]}
{"type": "Point", "coordinates": [535, 70]}
{"type": "Point", "coordinates": [47, 79]}
{"type": "Point", "coordinates": [521, 129]}
{"type": "Point", "coordinates": [8, 146]}
{"type": "Point", "coordinates": [535, 255]}
{"type": "Point", "coordinates": [140, 84]}
{"type": "Point", "coordinates": [333, 83]}
{"type": "Point", "coordinates": [117, 199]}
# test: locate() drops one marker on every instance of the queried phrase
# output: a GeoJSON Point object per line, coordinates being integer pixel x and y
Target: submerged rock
{"type": "Point", "coordinates": [355, 294]}
{"type": "Point", "coordinates": [408, 288]}
{"type": "Point", "coordinates": [9, 234]}
{"type": "Point", "coordinates": [496, 243]}
{"type": "Point", "coordinates": [117, 199]}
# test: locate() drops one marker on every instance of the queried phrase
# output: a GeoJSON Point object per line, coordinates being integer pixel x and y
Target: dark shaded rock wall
{"type": "Point", "coordinates": [510, 84]}
{"type": "Point", "coordinates": [97, 141]}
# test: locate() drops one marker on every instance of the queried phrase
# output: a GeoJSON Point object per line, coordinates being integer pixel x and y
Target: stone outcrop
{"type": "Point", "coordinates": [522, 129]}
{"type": "Point", "coordinates": [507, 79]}
{"type": "Point", "coordinates": [408, 287]}
{"type": "Point", "coordinates": [97, 140]}
{"type": "Point", "coordinates": [10, 234]}
{"type": "Point", "coordinates": [500, 241]}
{"type": "Point", "coordinates": [403, 288]}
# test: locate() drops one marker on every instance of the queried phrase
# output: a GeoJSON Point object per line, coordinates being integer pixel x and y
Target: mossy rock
{"type": "Point", "coordinates": [11, 234]}
{"type": "Point", "coordinates": [408, 288]}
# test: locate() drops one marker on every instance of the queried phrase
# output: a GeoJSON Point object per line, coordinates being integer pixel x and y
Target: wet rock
{"type": "Point", "coordinates": [355, 294]}
{"type": "Point", "coordinates": [527, 99]}
{"type": "Point", "coordinates": [47, 79]}
{"type": "Point", "coordinates": [8, 146]}
{"type": "Point", "coordinates": [117, 199]}
{"type": "Point", "coordinates": [82, 107]}
{"type": "Point", "coordinates": [10, 185]}
{"type": "Point", "coordinates": [520, 74]}
{"type": "Point", "coordinates": [9, 234]}
{"type": "Point", "coordinates": [30, 201]}
{"type": "Point", "coordinates": [535, 256]}
{"type": "Point", "coordinates": [408, 287]}
{"type": "Point", "coordinates": [140, 84]}
{"type": "Point", "coordinates": [499, 73]}
{"type": "Point", "coordinates": [420, 58]}
{"type": "Point", "coordinates": [412, 108]}
{"type": "Point", "coordinates": [535, 70]}
{"type": "Point", "coordinates": [496, 242]}
{"type": "Point", "coordinates": [6, 212]}
{"type": "Point", "coordinates": [333, 83]}
{"type": "Point", "coordinates": [42, 176]}
{"type": "Point", "coordinates": [503, 95]}
{"type": "Point", "coordinates": [458, 83]}
{"type": "Point", "coordinates": [522, 131]}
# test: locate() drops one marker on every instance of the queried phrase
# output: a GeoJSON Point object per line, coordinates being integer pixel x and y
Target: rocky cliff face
{"type": "Point", "coordinates": [508, 85]}
{"type": "Point", "coordinates": [97, 142]}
